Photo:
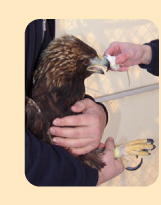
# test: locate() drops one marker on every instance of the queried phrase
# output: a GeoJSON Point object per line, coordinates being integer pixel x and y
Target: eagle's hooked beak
{"type": "Point", "coordinates": [99, 65]}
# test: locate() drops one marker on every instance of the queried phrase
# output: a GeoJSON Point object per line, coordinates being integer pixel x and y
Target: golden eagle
{"type": "Point", "coordinates": [59, 83]}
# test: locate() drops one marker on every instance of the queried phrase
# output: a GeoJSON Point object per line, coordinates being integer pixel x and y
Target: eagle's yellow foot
{"type": "Point", "coordinates": [137, 148]}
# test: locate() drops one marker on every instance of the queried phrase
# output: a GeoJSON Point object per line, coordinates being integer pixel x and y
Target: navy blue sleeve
{"type": "Point", "coordinates": [45, 164]}
{"type": "Point", "coordinates": [153, 66]}
{"type": "Point", "coordinates": [50, 165]}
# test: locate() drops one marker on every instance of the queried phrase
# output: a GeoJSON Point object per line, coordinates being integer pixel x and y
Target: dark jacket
{"type": "Point", "coordinates": [153, 66]}
{"type": "Point", "coordinates": [45, 164]}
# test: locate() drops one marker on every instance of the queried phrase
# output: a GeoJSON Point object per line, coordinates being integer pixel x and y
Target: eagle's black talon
{"type": "Point", "coordinates": [135, 168]}
{"type": "Point", "coordinates": [151, 141]}
{"type": "Point", "coordinates": [145, 150]}
{"type": "Point", "coordinates": [153, 147]}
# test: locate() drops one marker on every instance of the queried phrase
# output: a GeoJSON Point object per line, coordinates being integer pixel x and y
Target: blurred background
{"type": "Point", "coordinates": [132, 103]}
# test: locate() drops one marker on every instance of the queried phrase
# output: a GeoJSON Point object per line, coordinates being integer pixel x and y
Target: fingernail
{"type": "Point", "coordinates": [56, 141]}
{"type": "Point", "coordinates": [56, 121]}
{"type": "Point", "coordinates": [74, 106]}
{"type": "Point", "coordinates": [52, 131]}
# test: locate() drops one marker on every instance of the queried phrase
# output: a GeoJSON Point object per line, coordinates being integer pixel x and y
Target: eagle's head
{"type": "Point", "coordinates": [67, 58]}
{"type": "Point", "coordinates": [62, 69]}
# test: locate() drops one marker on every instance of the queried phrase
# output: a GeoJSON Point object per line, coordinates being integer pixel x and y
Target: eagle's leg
{"type": "Point", "coordinates": [137, 148]}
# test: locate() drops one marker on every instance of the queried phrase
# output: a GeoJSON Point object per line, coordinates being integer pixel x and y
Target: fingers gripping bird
{"type": "Point", "coordinates": [58, 83]}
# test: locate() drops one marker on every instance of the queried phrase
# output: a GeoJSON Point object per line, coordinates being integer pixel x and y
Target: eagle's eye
{"type": "Point", "coordinates": [86, 61]}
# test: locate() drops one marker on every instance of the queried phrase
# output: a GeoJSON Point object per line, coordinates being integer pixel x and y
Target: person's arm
{"type": "Point", "coordinates": [113, 166]}
{"type": "Point", "coordinates": [47, 165]}
{"type": "Point", "coordinates": [129, 54]}
{"type": "Point", "coordinates": [153, 66]}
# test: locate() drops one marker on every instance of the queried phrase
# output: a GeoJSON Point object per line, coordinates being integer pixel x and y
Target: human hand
{"type": "Point", "coordinates": [113, 166]}
{"type": "Point", "coordinates": [83, 132]}
{"type": "Point", "coordinates": [129, 54]}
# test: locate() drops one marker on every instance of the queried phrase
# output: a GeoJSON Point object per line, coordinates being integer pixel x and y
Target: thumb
{"type": "Point", "coordinates": [109, 145]}
{"type": "Point", "coordinates": [82, 105]}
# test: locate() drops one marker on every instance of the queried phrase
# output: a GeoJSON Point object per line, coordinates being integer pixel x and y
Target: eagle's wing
{"type": "Point", "coordinates": [34, 120]}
